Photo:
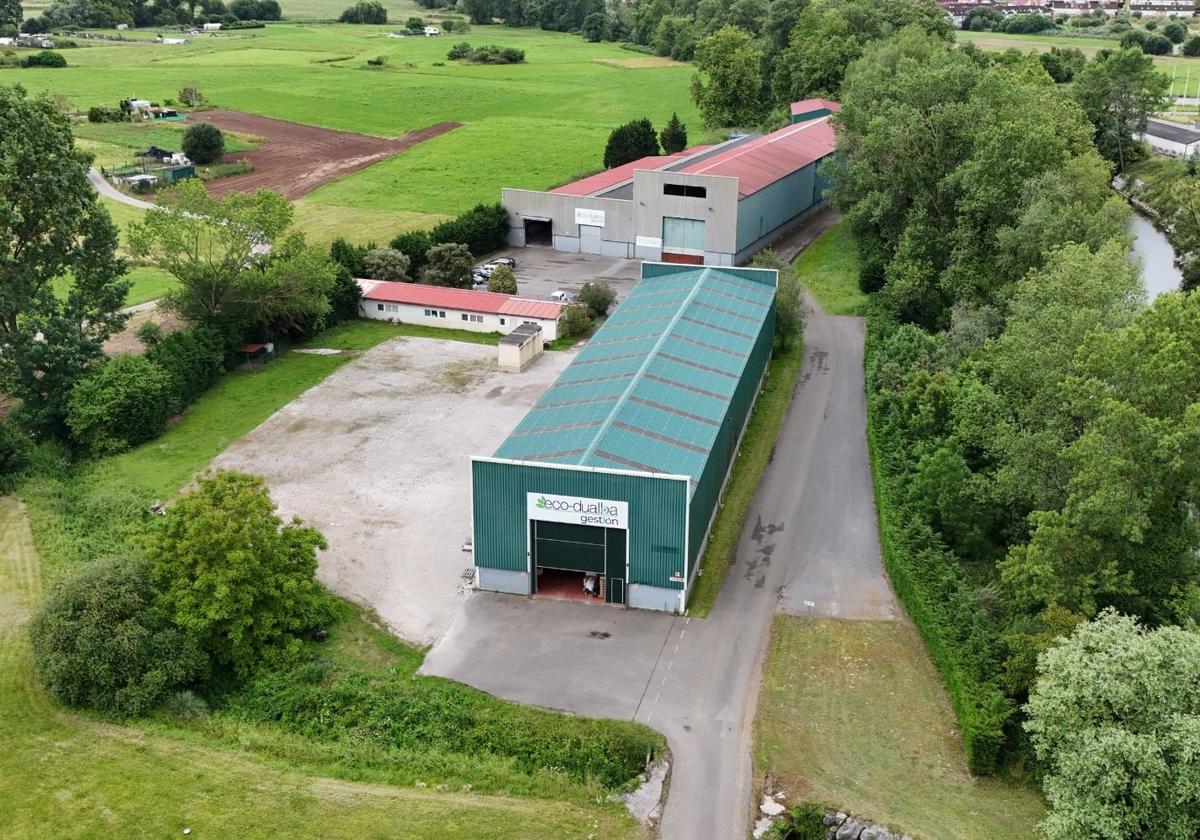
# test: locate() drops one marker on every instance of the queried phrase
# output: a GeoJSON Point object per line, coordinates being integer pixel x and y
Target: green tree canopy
{"type": "Point", "coordinates": [448, 264]}
{"type": "Point", "coordinates": [237, 271]}
{"type": "Point", "coordinates": [727, 86]}
{"type": "Point", "coordinates": [51, 226]}
{"type": "Point", "coordinates": [387, 264]}
{"type": "Point", "coordinates": [629, 142]}
{"type": "Point", "coordinates": [236, 579]}
{"type": "Point", "coordinates": [1118, 91]}
{"type": "Point", "coordinates": [204, 143]}
{"type": "Point", "coordinates": [1115, 720]}
{"type": "Point", "coordinates": [10, 15]}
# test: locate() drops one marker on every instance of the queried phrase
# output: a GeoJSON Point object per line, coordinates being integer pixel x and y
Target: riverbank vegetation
{"type": "Point", "coordinates": [1033, 423]}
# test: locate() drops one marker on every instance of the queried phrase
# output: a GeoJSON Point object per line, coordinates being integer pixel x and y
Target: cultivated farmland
{"type": "Point", "coordinates": [530, 125]}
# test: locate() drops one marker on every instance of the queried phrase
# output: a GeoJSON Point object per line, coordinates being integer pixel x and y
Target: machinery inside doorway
{"type": "Point", "coordinates": [578, 561]}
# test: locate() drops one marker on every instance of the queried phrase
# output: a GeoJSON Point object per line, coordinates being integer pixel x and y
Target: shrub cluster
{"type": "Point", "coordinates": [45, 58]}
{"type": "Point", "coordinates": [106, 114]}
{"type": "Point", "coordinates": [926, 576]}
{"type": "Point", "coordinates": [483, 229]}
{"type": "Point", "coordinates": [365, 11]}
{"type": "Point", "coordinates": [127, 400]}
{"type": "Point", "coordinates": [15, 445]}
{"type": "Point", "coordinates": [487, 54]}
{"type": "Point", "coordinates": [574, 321]}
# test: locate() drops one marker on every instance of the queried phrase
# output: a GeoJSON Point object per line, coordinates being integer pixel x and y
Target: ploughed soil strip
{"type": "Point", "coordinates": [294, 159]}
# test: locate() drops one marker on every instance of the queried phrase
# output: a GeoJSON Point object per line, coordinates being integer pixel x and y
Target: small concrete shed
{"type": "Point", "coordinates": [520, 348]}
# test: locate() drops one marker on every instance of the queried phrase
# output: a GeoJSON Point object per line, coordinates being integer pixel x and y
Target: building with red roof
{"type": "Point", "coordinates": [464, 309]}
{"type": "Point", "coordinates": [713, 205]}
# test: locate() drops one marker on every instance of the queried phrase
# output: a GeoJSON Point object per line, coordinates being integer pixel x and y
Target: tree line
{"type": "Point", "coordinates": [107, 14]}
{"type": "Point", "coordinates": [1034, 423]}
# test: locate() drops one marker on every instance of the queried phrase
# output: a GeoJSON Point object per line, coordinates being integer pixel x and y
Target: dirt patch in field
{"type": "Point", "coordinates": [294, 159]}
{"type": "Point", "coordinates": [126, 341]}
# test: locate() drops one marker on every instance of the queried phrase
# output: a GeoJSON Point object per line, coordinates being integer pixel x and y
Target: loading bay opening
{"type": "Point", "coordinates": [586, 559]}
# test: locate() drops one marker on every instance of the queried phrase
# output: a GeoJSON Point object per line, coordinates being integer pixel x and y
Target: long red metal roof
{"type": "Point", "coordinates": [464, 300]}
{"type": "Point", "coordinates": [805, 106]}
{"type": "Point", "coordinates": [618, 174]}
{"type": "Point", "coordinates": [762, 161]}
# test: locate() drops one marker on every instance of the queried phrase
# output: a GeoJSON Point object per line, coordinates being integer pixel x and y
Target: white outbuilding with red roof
{"type": "Point", "coordinates": [463, 309]}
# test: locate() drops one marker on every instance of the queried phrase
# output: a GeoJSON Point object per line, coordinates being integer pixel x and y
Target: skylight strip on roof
{"type": "Point", "coordinates": [625, 462]}
{"type": "Point", "coordinates": [561, 427]}
{"type": "Point", "coordinates": [729, 312]}
{"type": "Point", "coordinates": [717, 327]}
{"type": "Point", "coordinates": [676, 384]}
{"type": "Point", "coordinates": [715, 347]}
{"type": "Point", "coordinates": [698, 365]}
{"type": "Point", "coordinates": [689, 415]}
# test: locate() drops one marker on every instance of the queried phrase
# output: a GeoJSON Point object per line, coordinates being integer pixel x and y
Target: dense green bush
{"type": "Point", "coordinates": [204, 143]}
{"type": "Point", "coordinates": [449, 264]}
{"type": "Point", "coordinates": [118, 404]}
{"type": "Point", "coordinates": [45, 58]}
{"type": "Point", "coordinates": [598, 296]}
{"type": "Point", "coordinates": [99, 643]}
{"type": "Point", "coordinates": [365, 11]}
{"type": "Point", "coordinates": [15, 445]}
{"type": "Point", "coordinates": [1191, 47]}
{"type": "Point", "coordinates": [483, 229]}
{"type": "Point", "coordinates": [487, 54]}
{"type": "Point", "coordinates": [233, 576]}
{"type": "Point", "coordinates": [926, 577]}
{"type": "Point", "coordinates": [629, 142]}
{"type": "Point", "coordinates": [503, 281]}
{"type": "Point", "coordinates": [415, 245]}
{"type": "Point", "coordinates": [255, 9]}
{"type": "Point", "coordinates": [344, 298]}
{"type": "Point", "coordinates": [387, 264]}
{"type": "Point", "coordinates": [194, 359]}
{"type": "Point", "coordinates": [350, 257]}
{"type": "Point", "coordinates": [574, 321]}
{"type": "Point", "coordinates": [104, 114]}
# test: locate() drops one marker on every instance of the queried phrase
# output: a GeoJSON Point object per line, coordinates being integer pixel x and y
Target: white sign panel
{"type": "Point", "coordinates": [583, 216]}
{"type": "Point", "coordinates": [649, 241]}
{"type": "Point", "coordinates": [577, 510]}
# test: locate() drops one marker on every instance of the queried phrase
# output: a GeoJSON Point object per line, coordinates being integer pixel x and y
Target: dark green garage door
{"type": "Point", "coordinates": [582, 548]}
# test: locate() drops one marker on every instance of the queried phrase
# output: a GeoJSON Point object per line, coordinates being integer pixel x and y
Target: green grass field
{"type": "Point", "coordinates": [72, 775]}
{"type": "Point", "coordinates": [852, 716]}
{"type": "Point", "coordinates": [1184, 72]}
{"type": "Point", "coordinates": [533, 125]}
{"type": "Point", "coordinates": [828, 268]}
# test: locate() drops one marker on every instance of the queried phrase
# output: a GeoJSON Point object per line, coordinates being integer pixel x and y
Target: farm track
{"type": "Point", "coordinates": [294, 159]}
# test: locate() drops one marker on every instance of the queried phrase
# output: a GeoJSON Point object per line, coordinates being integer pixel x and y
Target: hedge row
{"type": "Point", "coordinates": [928, 580]}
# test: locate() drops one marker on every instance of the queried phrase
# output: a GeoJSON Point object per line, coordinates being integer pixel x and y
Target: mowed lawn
{"type": "Point", "coordinates": [1184, 72]}
{"type": "Point", "coordinates": [852, 716]}
{"type": "Point", "coordinates": [533, 125]}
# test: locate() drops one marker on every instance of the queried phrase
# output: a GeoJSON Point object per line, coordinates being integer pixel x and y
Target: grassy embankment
{"type": "Point", "coordinates": [285, 754]}
{"type": "Point", "coordinates": [532, 125]}
{"type": "Point", "coordinates": [852, 715]}
{"type": "Point", "coordinates": [828, 268]}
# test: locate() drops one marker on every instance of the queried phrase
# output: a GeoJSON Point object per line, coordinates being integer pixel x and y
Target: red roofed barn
{"type": "Point", "coordinates": [712, 205]}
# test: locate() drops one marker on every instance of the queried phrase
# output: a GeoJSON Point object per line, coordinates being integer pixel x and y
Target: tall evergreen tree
{"type": "Point", "coordinates": [674, 136]}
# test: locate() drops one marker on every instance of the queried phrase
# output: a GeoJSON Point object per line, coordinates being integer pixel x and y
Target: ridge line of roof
{"type": "Point", "coordinates": [646, 362]}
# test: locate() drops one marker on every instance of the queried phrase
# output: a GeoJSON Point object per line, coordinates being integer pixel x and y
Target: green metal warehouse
{"type": "Point", "coordinates": [611, 481]}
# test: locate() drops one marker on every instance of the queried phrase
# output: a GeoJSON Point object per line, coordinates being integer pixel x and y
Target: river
{"type": "Point", "coordinates": [1159, 272]}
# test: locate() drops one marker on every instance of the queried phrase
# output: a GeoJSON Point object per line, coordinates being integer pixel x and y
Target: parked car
{"type": "Point", "coordinates": [480, 277]}
{"type": "Point", "coordinates": [508, 261]}
{"type": "Point", "coordinates": [563, 297]}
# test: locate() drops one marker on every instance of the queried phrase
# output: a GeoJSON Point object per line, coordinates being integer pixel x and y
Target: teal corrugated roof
{"type": "Point", "coordinates": [650, 390]}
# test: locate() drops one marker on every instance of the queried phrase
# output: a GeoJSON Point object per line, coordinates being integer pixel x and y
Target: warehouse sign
{"type": "Point", "coordinates": [584, 216]}
{"type": "Point", "coordinates": [577, 510]}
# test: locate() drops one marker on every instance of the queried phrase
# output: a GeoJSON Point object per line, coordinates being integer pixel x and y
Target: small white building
{"type": "Point", "coordinates": [212, 27]}
{"type": "Point", "coordinates": [1168, 138]}
{"type": "Point", "coordinates": [121, 27]}
{"type": "Point", "coordinates": [431, 31]}
{"type": "Point", "coordinates": [7, 42]}
{"type": "Point", "coordinates": [174, 41]}
{"type": "Point", "coordinates": [520, 348]}
{"type": "Point", "coordinates": [463, 309]}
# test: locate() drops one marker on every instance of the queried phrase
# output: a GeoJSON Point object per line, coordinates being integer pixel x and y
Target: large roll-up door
{"type": "Point", "coordinates": [572, 548]}
{"type": "Point", "coordinates": [683, 240]}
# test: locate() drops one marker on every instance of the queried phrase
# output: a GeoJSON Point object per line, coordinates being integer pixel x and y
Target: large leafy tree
{"type": "Point", "coordinates": [237, 269]}
{"type": "Point", "coordinates": [1115, 720]}
{"type": "Point", "coordinates": [52, 226]}
{"type": "Point", "coordinates": [10, 15]}
{"type": "Point", "coordinates": [1118, 91]}
{"type": "Point", "coordinates": [727, 85]}
{"type": "Point", "coordinates": [236, 579]}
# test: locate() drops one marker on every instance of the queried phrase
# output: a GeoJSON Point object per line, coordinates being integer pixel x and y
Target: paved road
{"type": "Point", "coordinates": [109, 191]}
{"type": "Point", "coordinates": [809, 536]}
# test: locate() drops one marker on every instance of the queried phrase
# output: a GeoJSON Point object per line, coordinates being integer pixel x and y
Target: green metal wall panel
{"type": "Point", "coordinates": [657, 510]}
{"type": "Point", "coordinates": [775, 205]}
{"type": "Point", "coordinates": [708, 488]}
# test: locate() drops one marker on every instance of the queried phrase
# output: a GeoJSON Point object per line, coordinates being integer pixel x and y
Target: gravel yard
{"type": "Point", "coordinates": [378, 457]}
